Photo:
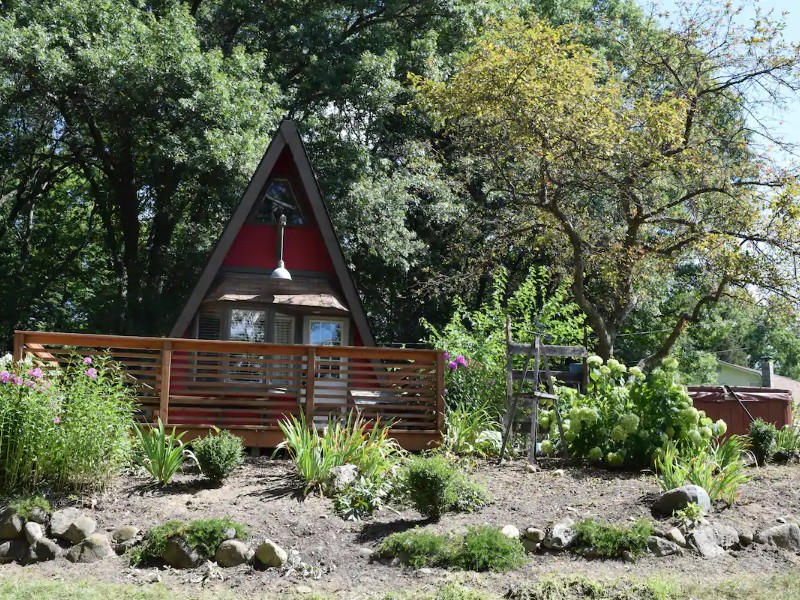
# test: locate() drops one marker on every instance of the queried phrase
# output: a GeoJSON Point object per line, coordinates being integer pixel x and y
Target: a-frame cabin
{"type": "Point", "coordinates": [235, 297]}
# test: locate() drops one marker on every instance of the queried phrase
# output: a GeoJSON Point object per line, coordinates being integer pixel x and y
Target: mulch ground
{"type": "Point", "coordinates": [264, 495]}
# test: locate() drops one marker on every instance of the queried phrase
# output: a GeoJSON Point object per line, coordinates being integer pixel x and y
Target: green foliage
{"type": "Point", "coordinates": [362, 498]}
{"type": "Point", "coordinates": [27, 504]}
{"type": "Point", "coordinates": [164, 451]}
{"type": "Point", "coordinates": [689, 516]}
{"type": "Point", "coordinates": [435, 485]}
{"type": "Point", "coordinates": [218, 454]}
{"type": "Point", "coordinates": [787, 441]}
{"type": "Point", "coordinates": [204, 535]}
{"type": "Point", "coordinates": [718, 469]}
{"type": "Point", "coordinates": [612, 540]}
{"type": "Point", "coordinates": [762, 440]}
{"type": "Point", "coordinates": [625, 418]}
{"type": "Point", "coordinates": [69, 429]}
{"type": "Point", "coordinates": [482, 548]}
{"type": "Point", "coordinates": [354, 441]}
{"type": "Point", "coordinates": [472, 431]}
{"type": "Point", "coordinates": [579, 587]}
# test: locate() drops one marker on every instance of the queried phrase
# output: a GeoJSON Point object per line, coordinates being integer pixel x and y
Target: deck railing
{"type": "Point", "coordinates": [248, 387]}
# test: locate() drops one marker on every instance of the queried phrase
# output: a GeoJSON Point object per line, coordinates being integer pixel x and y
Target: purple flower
{"type": "Point", "coordinates": [453, 365]}
{"type": "Point", "coordinates": [18, 380]}
{"type": "Point", "coordinates": [445, 390]}
{"type": "Point", "coordinates": [91, 373]}
{"type": "Point", "coordinates": [5, 376]}
{"type": "Point", "coordinates": [57, 420]}
{"type": "Point", "coordinates": [36, 373]}
{"type": "Point", "coordinates": [30, 383]}
{"type": "Point", "coordinates": [447, 355]}
{"type": "Point", "coordinates": [87, 360]}
{"type": "Point", "coordinates": [461, 360]}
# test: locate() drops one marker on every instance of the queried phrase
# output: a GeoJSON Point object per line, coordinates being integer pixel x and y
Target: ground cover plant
{"type": "Point", "coordinates": [481, 548]}
{"type": "Point", "coordinates": [164, 451]}
{"type": "Point", "coordinates": [218, 454]}
{"type": "Point", "coordinates": [435, 485]}
{"type": "Point", "coordinates": [28, 505]}
{"type": "Point", "coordinates": [609, 540]}
{"type": "Point", "coordinates": [203, 535]}
{"type": "Point", "coordinates": [67, 428]}
{"type": "Point", "coordinates": [625, 418]}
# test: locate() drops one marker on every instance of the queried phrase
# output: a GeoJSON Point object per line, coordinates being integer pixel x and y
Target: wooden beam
{"type": "Point", "coordinates": [563, 351]}
{"type": "Point", "coordinates": [19, 345]}
{"type": "Point", "coordinates": [440, 391]}
{"type": "Point", "coordinates": [310, 380]}
{"type": "Point", "coordinates": [166, 371]}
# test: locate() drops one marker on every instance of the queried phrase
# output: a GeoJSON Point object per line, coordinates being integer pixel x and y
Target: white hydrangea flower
{"type": "Point", "coordinates": [6, 359]}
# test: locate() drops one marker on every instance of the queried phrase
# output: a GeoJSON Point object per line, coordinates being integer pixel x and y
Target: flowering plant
{"type": "Point", "coordinates": [625, 418]}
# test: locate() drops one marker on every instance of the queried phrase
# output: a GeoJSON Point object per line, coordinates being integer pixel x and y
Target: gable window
{"type": "Point", "coordinates": [278, 200]}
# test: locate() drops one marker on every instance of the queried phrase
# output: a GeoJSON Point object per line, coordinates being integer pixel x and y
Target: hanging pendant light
{"type": "Point", "coordinates": [281, 273]}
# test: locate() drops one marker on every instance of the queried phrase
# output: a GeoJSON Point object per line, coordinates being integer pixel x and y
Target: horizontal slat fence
{"type": "Point", "coordinates": [248, 387]}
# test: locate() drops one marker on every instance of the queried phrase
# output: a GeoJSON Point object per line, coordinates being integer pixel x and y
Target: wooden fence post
{"type": "Point", "coordinates": [19, 345]}
{"type": "Point", "coordinates": [441, 365]}
{"type": "Point", "coordinates": [166, 371]}
{"type": "Point", "coordinates": [311, 359]}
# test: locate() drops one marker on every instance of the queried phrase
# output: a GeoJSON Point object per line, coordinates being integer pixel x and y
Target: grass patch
{"type": "Point", "coordinates": [612, 540]}
{"type": "Point", "coordinates": [204, 535]}
{"type": "Point", "coordinates": [26, 505]}
{"type": "Point", "coordinates": [482, 548]}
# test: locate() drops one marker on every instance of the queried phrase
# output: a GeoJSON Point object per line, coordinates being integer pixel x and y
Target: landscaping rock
{"type": "Point", "coordinates": [530, 546]}
{"type": "Point", "coordinates": [80, 529]}
{"type": "Point", "coordinates": [727, 536]}
{"type": "Point", "coordinates": [92, 549]}
{"type": "Point", "coordinates": [341, 477]}
{"type": "Point", "coordinates": [510, 532]}
{"type": "Point", "coordinates": [679, 498]}
{"type": "Point", "coordinates": [704, 539]}
{"type": "Point", "coordinates": [675, 535]}
{"type": "Point", "coordinates": [533, 534]}
{"type": "Point", "coordinates": [366, 552]}
{"type": "Point", "coordinates": [786, 536]}
{"type": "Point", "coordinates": [788, 519]}
{"type": "Point", "coordinates": [61, 520]}
{"type": "Point", "coordinates": [12, 550]}
{"type": "Point", "coordinates": [11, 524]}
{"type": "Point", "coordinates": [745, 538]}
{"type": "Point", "coordinates": [662, 547]}
{"type": "Point", "coordinates": [44, 549]}
{"type": "Point", "coordinates": [232, 553]}
{"type": "Point", "coordinates": [33, 531]}
{"type": "Point", "coordinates": [560, 536]}
{"type": "Point", "coordinates": [38, 515]}
{"type": "Point", "coordinates": [126, 533]}
{"type": "Point", "coordinates": [270, 554]}
{"type": "Point", "coordinates": [179, 555]}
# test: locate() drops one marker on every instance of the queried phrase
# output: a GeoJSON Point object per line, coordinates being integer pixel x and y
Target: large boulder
{"type": "Point", "coordinates": [61, 520]}
{"type": "Point", "coordinates": [11, 524]}
{"type": "Point", "coordinates": [560, 536]}
{"type": "Point", "coordinates": [33, 531]}
{"type": "Point", "coordinates": [661, 547]}
{"type": "Point", "coordinates": [179, 555]}
{"type": "Point", "coordinates": [270, 554]}
{"type": "Point", "coordinates": [786, 536]}
{"type": "Point", "coordinates": [12, 550]}
{"type": "Point", "coordinates": [712, 540]}
{"type": "Point", "coordinates": [94, 548]}
{"type": "Point", "coordinates": [339, 478]}
{"type": "Point", "coordinates": [44, 549]}
{"type": "Point", "coordinates": [80, 529]}
{"type": "Point", "coordinates": [232, 553]}
{"type": "Point", "coordinates": [679, 498]}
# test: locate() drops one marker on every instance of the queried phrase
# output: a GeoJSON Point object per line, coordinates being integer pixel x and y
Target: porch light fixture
{"type": "Point", "coordinates": [281, 273]}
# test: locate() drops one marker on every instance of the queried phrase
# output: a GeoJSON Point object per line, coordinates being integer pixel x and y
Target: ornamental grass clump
{"type": "Point", "coordinates": [164, 451]}
{"type": "Point", "coordinates": [67, 428]}
{"type": "Point", "coordinates": [472, 431]}
{"type": "Point", "coordinates": [625, 418]}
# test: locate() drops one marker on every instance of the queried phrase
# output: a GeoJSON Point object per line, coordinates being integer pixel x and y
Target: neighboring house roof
{"type": "Point", "coordinates": [287, 136]}
{"type": "Point", "coordinates": [778, 381]}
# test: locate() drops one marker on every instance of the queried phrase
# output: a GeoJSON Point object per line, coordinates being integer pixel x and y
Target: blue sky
{"type": "Point", "coordinates": [790, 117]}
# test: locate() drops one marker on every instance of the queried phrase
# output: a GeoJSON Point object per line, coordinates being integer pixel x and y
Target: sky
{"type": "Point", "coordinates": [790, 117]}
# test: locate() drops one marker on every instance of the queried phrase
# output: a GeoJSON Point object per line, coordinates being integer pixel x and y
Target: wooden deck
{"type": "Point", "coordinates": [247, 387]}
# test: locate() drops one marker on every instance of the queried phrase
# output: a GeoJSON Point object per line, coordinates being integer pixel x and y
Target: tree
{"type": "Point", "coordinates": [645, 165]}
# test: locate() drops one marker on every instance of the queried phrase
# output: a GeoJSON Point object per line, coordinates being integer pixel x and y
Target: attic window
{"type": "Point", "coordinates": [278, 199]}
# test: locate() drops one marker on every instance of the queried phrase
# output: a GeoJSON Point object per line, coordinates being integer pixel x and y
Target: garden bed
{"type": "Point", "coordinates": [265, 496]}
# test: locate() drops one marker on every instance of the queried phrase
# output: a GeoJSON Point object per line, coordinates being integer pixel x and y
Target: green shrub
{"type": "Point", "coordinates": [164, 451]}
{"type": "Point", "coordinates": [362, 498]}
{"type": "Point", "coordinates": [787, 442]}
{"type": "Point", "coordinates": [482, 548]}
{"type": "Point", "coordinates": [612, 540]}
{"type": "Point", "coordinates": [718, 469]}
{"type": "Point", "coordinates": [204, 535]}
{"type": "Point", "coordinates": [689, 516]}
{"type": "Point", "coordinates": [65, 428]}
{"type": "Point", "coordinates": [218, 454]}
{"type": "Point", "coordinates": [434, 485]}
{"type": "Point", "coordinates": [625, 418]}
{"type": "Point", "coordinates": [355, 441]}
{"type": "Point", "coordinates": [472, 431]}
{"type": "Point", "coordinates": [762, 440]}
{"type": "Point", "coordinates": [26, 505]}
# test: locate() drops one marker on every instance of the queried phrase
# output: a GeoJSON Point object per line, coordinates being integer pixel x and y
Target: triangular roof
{"type": "Point", "coordinates": [287, 136]}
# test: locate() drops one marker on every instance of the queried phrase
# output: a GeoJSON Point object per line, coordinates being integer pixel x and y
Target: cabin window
{"type": "Point", "coordinates": [248, 325]}
{"type": "Point", "coordinates": [327, 332]}
{"type": "Point", "coordinates": [279, 199]}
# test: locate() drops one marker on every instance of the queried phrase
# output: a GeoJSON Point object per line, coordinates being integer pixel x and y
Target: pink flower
{"type": "Point", "coordinates": [5, 376]}
{"type": "Point", "coordinates": [30, 383]}
{"type": "Point", "coordinates": [453, 365]}
{"type": "Point", "coordinates": [57, 420]}
{"type": "Point", "coordinates": [36, 373]}
{"type": "Point", "coordinates": [87, 360]}
{"type": "Point", "coordinates": [447, 356]}
{"type": "Point", "coordinates": [461, 360]}
{"type": "Point", "coordinates": [18, 380]}
{"type": "Point", "coordinates": [91, 373]}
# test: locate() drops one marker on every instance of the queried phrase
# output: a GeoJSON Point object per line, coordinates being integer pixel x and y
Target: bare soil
{"type": "Point", "coordinates": [265, 495]}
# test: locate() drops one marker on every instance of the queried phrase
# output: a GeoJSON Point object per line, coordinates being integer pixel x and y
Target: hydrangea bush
{"type": "Point", "coordinates": [65, 428]}
{"type": "Point", "coordinates": [625, 418]}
